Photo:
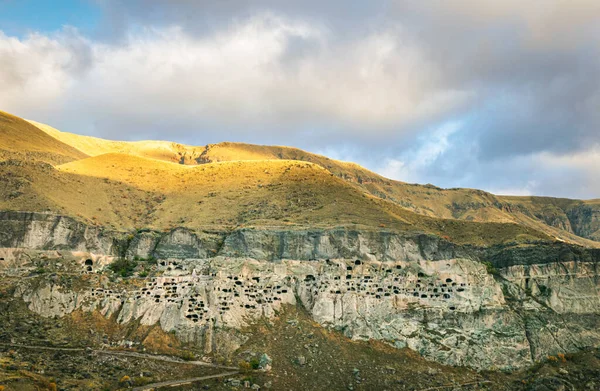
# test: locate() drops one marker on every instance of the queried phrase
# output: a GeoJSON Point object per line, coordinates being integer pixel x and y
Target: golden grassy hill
{"type": "Point", "coordinates": [93, 146]}
{"type": "Point", "coordinates": [466, 204]}
{"type": "Point", "coordinates": [161, 185]}
{"type": "Point", "coordinates": [128, 192]}
{"type": "Point", "coordinates": [463, 204]}
{"type": "Point", "coordinates": [20, 139]}
{"type": "Point", "coordinates": [259, 193]}
{"type": "Point", "coordinates": [556, 217]}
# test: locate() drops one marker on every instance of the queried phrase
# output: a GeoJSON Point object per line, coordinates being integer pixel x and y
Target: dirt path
{"type": "Point", "coordinates": [14, 345]}
{"type": "Point", "coordinates": [459, 386]}
{"type": "Point", "coordinates": [173, 383]}
{"type": "Point", "coordinates": [163, 358]}
{"type": "Point", "coordinates": [122, 353]}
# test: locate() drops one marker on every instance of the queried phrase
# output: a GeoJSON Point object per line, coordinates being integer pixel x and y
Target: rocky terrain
{"type": "Point", "coordinates": [280, 265]}
{"type": "Point", "coordinates": [478, 307]}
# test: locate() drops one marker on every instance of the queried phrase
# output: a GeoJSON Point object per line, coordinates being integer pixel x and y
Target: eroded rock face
{"type": "Point", "coordinates": [451, 311]}
{"type": "Point", "coordinates": [565, 287]}
{"type": "Point", "coordinates": [585, 220]}
{"type": "Point", "coordinates": [39, 231]}
{"type": "Point", "coordinates": [414, 291]}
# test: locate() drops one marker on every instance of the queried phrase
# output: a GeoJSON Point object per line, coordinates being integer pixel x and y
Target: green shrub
{"type": "Point", "coordinates": [187, 355]}
{"type": "Point", "coordinates": [123, 267]}
{"type": "Point", "coordinates": [491, 269]}
{"type": "Point", "coordinates": [244, 366]}
{"type": "Point", "coordinates": [255, 363]}
{"type": "Point", "coordinates": [544, 290]}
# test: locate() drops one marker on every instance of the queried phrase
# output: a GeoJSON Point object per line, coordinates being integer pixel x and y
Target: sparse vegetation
{"type": "Point", "coordinates": [245, 366]}
{"type": "Point", "coordinates": [123, 267]}
{"type": "Point", "coordinates": [490, 268]}
{"type": "Point", "coordinates": [40, 270]}
{"type": "Point", "coordinates": [545, 291]}
{"type": "Point", "coordinates": [188, 355]}
{"type": "Point", "coordinates": [143, 186]}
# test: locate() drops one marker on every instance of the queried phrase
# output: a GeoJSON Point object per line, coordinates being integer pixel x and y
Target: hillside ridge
{"type": "Point", "coordinates": [177, 183]}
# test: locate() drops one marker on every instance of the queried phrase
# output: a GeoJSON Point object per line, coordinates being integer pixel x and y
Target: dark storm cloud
{"type": "Point", "coordinates": [532, 68]}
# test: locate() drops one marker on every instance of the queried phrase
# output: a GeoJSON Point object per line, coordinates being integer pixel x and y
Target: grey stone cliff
{"type": "Point", "coordinates": [499, 307]}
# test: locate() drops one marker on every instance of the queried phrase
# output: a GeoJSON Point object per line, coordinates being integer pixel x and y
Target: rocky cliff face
{"type": "Point", "coordinates": [418, 291]}
{"type": "Point", "coordinates": [46, 231]}
{"type": "Point", "coordinates": [585, 220]}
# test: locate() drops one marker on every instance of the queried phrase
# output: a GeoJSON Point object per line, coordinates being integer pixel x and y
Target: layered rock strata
{"type": "Point", "coordinates": [502, 307]}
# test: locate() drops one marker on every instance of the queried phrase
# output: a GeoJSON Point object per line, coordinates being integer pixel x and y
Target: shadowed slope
{"type": "Point", "coordinates": [273, 193]}
{"type": "Point", "coordinates": [20, 139]}
{"type": "Point", "coordinates": [576, 217]}
{"type": "Point", "coordinates": [267, 185]}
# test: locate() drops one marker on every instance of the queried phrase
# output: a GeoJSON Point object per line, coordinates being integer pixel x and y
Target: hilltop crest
{"type": "Point", "coordinates": [231, 184]}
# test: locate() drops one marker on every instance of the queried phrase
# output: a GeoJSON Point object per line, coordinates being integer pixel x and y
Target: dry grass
{"type": "Point", "coordinates": [92, 146]}
{"type": "Point", "coordinates": [130, 192]}
{"type": "Point", "coordinates": [20, 139]}
{"type": "Point", "coordinates": [39, 187]}
{"type": "Point", "coordinates": [251, 193]}
{"type": "Point", "coordinates": [462, 204]}
{"type": "Point", "coordinates": [162, 185]}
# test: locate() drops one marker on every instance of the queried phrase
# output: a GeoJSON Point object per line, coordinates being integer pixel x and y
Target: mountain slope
{"type": "Point", "coordinates": [93, 146]}
{"type": "Point", "coordinates": [577, 217]}
{"type": "Point", "coordinates": [263, 193]}
{"type": "Point", "coordinates": [566, 219]}
{"type": "Point", "coordinates": [576, 220]}
{"type": "Point", "coordinates": [161, 185]}
{"type": "Point", "coordinates": [20, 139]}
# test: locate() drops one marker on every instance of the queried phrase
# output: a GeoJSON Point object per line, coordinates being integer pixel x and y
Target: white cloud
{"type": "Point", "coordinates": [586, 160]}
{"type": "Point", "coordinates": [412, 165]}
{"type": "Point", "coordinates": [572, 173]}
{"type": "Point", "coordinates": [252, 72]}
{"type": "Point", "coordinates": [34, 71]}
{"type": "Point", "coordinates": [525, 190]}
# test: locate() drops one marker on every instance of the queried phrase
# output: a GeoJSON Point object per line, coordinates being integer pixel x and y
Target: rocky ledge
{"type": "Point", "coordinates": [502, 307]}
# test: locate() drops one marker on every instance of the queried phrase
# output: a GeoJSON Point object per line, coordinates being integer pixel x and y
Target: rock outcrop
{"type": "Point", "coordinates": [500, 307]}
{"type": "Point", "coordinates": [585, 220]}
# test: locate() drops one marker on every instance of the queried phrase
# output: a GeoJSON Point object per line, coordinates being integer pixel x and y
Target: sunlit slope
{"type": "Point", "coordinates": [467, 204]}
{"type": "Point", "coordinates": [19, 139]}
{"type": "Point", "coordinates": [463, 204]}
{"type": "Point", "coordinates": [577, 217]}
{"type": "Point", "coordinates": [271, 193]}
{"type": "Point", "coordinates": [93, 146]}
{"type": "Point", "coordinates": [261, 193]}
{"type": "Point", "coordinates": [39, 187]}
{"type": "Point", "coordinates": [177, 186]}
{"type": "Point", "coordinates": [570, 220]}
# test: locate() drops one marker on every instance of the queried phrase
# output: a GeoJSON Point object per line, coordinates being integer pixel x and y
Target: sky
{"type": "Point", "coordinates": [497, 95]}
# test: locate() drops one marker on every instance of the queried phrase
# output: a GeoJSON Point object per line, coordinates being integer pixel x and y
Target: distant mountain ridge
{"type": "Point", "coordinates": [161, 185]}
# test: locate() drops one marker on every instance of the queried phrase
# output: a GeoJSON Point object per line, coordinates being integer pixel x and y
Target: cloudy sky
{"type": "Point", "coordinates": [498, 95]}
